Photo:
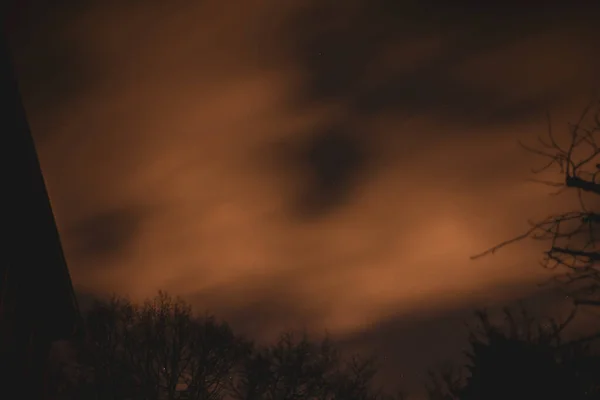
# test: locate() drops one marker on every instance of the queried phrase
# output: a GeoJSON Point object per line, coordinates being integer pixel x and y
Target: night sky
{"type": "Point", "coordinates": [328, 165]}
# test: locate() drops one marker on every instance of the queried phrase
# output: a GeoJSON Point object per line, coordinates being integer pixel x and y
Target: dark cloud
{"type": "Point", "coordinates": [52, 65]}
{"type": "Point", "coordinates": [106, 235]}
{"type": "Point", "coordinates": [325, 166]}
{"type": "Point", "coordinates": [430, 91]}
{"type": "Point", "coordinates": [334, 161]}
{"type": "Point", "coordinates": [337, 45]}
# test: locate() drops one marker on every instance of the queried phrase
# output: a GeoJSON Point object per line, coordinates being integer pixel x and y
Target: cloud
{"type": "Point", "coordinates": [334, 166]}
{"type": "Point", "coordinates": [339, 54]}
{"type": "Point", "coordinates": [327, 166]}
{"type": "Point", "coordinates": [106, 235]}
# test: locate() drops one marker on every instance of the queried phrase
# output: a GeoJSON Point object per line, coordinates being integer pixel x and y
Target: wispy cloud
{"type": "Point", "coordinates": [183, 147]}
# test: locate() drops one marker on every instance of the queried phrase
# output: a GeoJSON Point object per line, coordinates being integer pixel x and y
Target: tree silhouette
{"type": "Point", "coordinates": [161, 350]}
{"type": "Point", "coordinates": [299, 369]}
{"type": "Point", "coordinates": [524, 359]}
{"type": "Point", "coordinates": [541, 365]}
{"type": "Point", "coordinates": [289, 369]}
{"type": "Point", "coordinates": [214, 360]}
{"type": "Point", "coordinates": [157, 350]}
{"type": "Point", "coordinates": [573, 235]}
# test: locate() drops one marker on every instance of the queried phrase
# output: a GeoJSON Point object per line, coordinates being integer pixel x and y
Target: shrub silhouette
{"type": "Point", "coordinates": [526, 361]}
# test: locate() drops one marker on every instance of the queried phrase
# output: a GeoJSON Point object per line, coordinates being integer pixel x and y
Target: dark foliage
{"type": "Point", "coordinates": [161, 350]}
{"type": "Point", "coordinates": [525, 360]}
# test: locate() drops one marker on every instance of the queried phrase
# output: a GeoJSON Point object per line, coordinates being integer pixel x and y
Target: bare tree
{"type": "Point", "coordinates": [289, 369]}
{"type": "Point", "coordinates": [157, 341]}
{"type": "Point", "coordinates": [160, 350]}
{"type": "Point", "coordinates": [216, 356]}
{"type": "Point", "coordinates": [573, 236]}
{"type": "Point", "coordinates": [102, 370]}
{"type": "Point", "coordinates": [157, 350]}
{"type": "Point", "coordinates": [355, 380]}
{"type": "Point", "coordinates": [300, 369]}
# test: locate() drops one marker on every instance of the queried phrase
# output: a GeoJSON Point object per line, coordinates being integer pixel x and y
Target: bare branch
{"type": "Point", "coordinates": [503, 244]}
{"type": "Point", "coordinates": [571, 235]}
{"type": "Point", "coordinates": [547, 183]}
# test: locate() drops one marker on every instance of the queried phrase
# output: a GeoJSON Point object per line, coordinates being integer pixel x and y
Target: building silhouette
{"type": "Point", "coordinates": [37, 301]}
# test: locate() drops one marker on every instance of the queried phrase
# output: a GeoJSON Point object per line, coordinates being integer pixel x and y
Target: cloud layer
{"type": "Point", "coordinates": [319, 165]}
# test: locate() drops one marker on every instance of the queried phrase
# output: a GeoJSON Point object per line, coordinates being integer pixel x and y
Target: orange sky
{"type": "Point", "coordinates": [174, 142]}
